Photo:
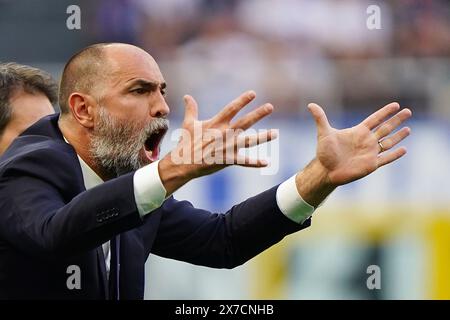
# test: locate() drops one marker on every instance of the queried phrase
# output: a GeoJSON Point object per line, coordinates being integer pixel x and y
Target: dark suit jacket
{"type": "Point", "coordinates": [48, 222]}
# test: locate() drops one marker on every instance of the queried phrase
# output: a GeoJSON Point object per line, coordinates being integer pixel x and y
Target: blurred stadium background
{"type": "Point", "coordinates": [290, 52]}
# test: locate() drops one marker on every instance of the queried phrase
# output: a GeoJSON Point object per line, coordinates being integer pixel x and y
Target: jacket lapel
{"type": "Point", "coordinates": [114, 274]}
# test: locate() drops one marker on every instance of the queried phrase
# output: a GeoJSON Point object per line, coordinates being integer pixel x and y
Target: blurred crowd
{"type": "Point", "coordinates": [291, 52]}
{"type": "Point", "coordinates": [288, 28]}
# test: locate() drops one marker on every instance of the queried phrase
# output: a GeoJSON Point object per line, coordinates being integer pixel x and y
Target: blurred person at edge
{"type": "Point", "coordinates": [26, 95]}
{"type": "Point", "coordinates": [85, 190]}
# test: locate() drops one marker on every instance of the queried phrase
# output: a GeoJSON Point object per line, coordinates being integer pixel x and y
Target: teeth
{"type": "Point", "coordinates": [148, 151]}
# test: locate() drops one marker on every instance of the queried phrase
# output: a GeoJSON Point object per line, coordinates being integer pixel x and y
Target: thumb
{"type": "Point", "coordinates": [191, 109]}
{"type": "Point", "coordinates": [323, 126]}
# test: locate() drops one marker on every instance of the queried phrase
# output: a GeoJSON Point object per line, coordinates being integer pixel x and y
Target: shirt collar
{"type": "Point", "coordinates": [90, 178]}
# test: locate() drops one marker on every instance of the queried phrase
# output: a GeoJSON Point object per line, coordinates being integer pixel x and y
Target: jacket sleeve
{"type": "Point", "coordinates": [40, 216]}
{"type": "Point", "coordinates": [222, 240]}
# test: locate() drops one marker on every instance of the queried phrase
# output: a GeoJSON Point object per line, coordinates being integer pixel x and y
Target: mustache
{"type": "Point", "coordinates": [116, 143]}
{"type": "Point", "coordinates": [154, 126]}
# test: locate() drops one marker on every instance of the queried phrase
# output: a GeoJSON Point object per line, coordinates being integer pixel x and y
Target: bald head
{"type": "Point", "coordinates": [113, 95]}
{"type": "Point", "coordinates": [89, 70]}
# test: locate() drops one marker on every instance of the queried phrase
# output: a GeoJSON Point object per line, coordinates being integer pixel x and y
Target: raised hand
{"type": "Point", "coordinates": [210, 145]}
{"type": "Point", "coordinates": [353, 153]}
{"type": "Point", "coordinates": [349, 154]}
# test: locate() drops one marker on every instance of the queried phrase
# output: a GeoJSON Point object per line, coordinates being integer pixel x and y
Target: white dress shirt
{"type": "Point", "coordinates": [149, 194]}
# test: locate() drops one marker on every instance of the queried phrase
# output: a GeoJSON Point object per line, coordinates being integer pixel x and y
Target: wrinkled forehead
{"type": "Point", "coordinates": [126, 63]}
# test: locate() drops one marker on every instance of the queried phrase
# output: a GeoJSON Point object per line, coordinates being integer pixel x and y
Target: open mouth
{"type": "Point", "coordinates": [152, 144]}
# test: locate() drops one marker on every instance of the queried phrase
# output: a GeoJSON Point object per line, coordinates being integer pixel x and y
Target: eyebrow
{"type": "Point", "coordinates": [151, 85]}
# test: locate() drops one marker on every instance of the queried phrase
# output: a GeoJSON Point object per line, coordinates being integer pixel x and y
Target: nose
{"type": "Point", "coordinates": [160, 109]}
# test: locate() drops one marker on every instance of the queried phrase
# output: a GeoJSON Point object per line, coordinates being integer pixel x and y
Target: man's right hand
{"type": "Point", "coordinates": [211, 145]}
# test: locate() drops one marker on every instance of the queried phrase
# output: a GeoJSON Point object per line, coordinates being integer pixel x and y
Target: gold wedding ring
{"type": "Point", "coordinates": [381, 146]}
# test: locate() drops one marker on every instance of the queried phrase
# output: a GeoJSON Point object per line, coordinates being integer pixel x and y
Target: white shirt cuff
{"type": "Point", "coordinates": [291, 203]}
{"type": "Point", "coordinates": [149, 192]}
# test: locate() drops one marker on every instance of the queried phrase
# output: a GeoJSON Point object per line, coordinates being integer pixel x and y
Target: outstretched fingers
{"type": "Point", "coordinates": [253, 117]}
{"type": "Point", "coordinates": [323, 126]}
{"type": "Point", "coordinates": [256, 139]}
{"type": "Point", "coordinates": [231, 109]}
{"type": "Point", "coordinates": [386, 128]}
{"type": "Point", "coordinates": [251, 141]}
{"type": "Point", "coordinates": [388, 157]}
{"type": "Point", "coordinates": [246, 161]}
{"type": "Point", "coordinates": [191, 109]}
{"type": "Point", "coordinates": [389, 143]}
{"type": "Point", "coordinates": [393, 123]}
{"type": "Point", "coordinates": [377, 118]}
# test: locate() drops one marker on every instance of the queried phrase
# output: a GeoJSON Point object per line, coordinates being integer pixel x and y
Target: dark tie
{"type": "Point", "coordinates": [102, 271]}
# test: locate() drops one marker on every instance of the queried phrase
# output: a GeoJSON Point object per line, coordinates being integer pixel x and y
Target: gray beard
{"type": "Point", "coordinates": [116, 145]}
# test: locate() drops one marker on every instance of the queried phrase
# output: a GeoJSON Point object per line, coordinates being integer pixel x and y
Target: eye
{"type": "Point", "coordinates": [139, 91]}
{"type": "Point", "coordinates": [163, 92]}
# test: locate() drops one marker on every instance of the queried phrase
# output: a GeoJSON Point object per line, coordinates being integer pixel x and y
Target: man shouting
{"type": "Point", "coordinates": [85, 197]}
